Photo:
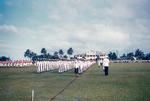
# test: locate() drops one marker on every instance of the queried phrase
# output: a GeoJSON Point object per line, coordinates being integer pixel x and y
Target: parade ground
{"type": "Point", "coordinates": [125, 82]}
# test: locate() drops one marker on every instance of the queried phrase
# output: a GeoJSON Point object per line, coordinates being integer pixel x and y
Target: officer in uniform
{"type": "Point", "coordinates": [106, 65]}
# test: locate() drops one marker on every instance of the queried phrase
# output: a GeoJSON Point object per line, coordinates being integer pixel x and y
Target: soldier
{"type": "Point", "coordinates": [98, 61]}
{"type": "Point", "coordinates": [106, 65]}
{"type": "Point", "coordinates": [76, 67]}
{"type": "Point", "coordinates": [38, 66]}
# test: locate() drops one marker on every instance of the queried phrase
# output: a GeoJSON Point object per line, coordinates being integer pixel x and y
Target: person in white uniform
{"type": "Point", "coordinates": [98, 62]}
{"type": "Point", "coordinates": [76, 71]}
{"type": "Point", "coordinates": [106, 65]}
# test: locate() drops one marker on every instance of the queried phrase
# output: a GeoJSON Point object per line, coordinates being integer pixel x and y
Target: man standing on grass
{"type": "Point", "coordinates": [98, 62]}
{"type": "Point", "coordinates": [106, 65]}
{"type": "Point", "coordinates": [76, 71]}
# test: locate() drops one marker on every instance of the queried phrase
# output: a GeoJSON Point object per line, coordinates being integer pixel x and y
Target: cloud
{"type": "Point", "coordinates": [82, 37]}
{"type": "Point", "coordinates": [9, 3]}
{"type": "Point", "coordinates": [8, 28]}
{"type": "Point", "coordinates": [82, 24]}
{"type": "Point", "coordinates": [1, 15]}
{"type": "Point", "coordinates": [12, 51]}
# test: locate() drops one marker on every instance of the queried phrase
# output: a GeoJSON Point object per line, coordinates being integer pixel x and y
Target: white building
{"type": "Point", "coordinates": [90, 55]}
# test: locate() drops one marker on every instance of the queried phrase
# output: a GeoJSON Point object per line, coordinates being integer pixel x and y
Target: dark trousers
{"type": "Point", "coordinates": [106, 71]}
{"type": "Point", "coordinates": [76, 70]}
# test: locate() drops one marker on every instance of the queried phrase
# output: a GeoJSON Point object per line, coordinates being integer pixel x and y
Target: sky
{"type": "Point", "coordinates": [101, 25]}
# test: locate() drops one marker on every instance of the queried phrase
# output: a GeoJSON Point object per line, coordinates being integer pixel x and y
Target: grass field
{"type": "Point", "coordinates": [126, 82]}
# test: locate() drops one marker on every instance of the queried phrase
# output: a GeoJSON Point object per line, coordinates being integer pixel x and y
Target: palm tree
{"type": "Point", "coordinates": [43, 51]}
{"type": "Point", "coordinates": [61, 53]}
{"type": "Point", "coordinates": [139, 54]}
{"type": "Point", "coordinates": [27, 53]}
{"type": "Point", "coordinates": [70, 51]}
{"type": "Point", "coordinates": [56, 55]}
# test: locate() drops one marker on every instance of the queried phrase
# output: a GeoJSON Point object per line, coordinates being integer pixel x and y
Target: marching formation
{"type": "Point", "coordinates": [17, 63]}
{"type": "Point", "coordinates": [79, 66]}
{"type": "Point", "coordinates": [63, 66]}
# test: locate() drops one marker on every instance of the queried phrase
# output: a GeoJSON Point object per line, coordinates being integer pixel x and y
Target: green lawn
{"type": "Point", "coordinates": [126, 82]}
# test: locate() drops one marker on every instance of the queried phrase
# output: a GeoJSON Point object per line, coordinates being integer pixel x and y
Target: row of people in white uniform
{"type": "Point", "coordinates": [81, 66]}
{"type": "Point", "coordinates": [46, 66]}
{"type": "Point", "coordinates": [16, 64]}
{"type": "Point", "coordinates": [63, 66]}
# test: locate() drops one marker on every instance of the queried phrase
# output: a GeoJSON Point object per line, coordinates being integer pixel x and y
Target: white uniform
{"type": "Point", "coordinates": [106, 62]}
{"type": "Point", "coordinates": [106, 66]}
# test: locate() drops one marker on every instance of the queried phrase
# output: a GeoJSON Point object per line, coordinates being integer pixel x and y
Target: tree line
{"type": "Point", "coordinates": [4, 58]}
{"type": "Point", "coordinates": [44, 55]}
{"type": "Point", "coordinates": [138, 55]}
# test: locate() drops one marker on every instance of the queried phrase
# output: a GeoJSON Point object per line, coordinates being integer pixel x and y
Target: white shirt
{"type": "Point", "coordinates": [98, 62]}
{"type": "Point", "coordinates": [106, 62]}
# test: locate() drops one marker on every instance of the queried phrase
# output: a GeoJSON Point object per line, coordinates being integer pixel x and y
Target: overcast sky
{"type": "Point", "coordinates": [102, 25]}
